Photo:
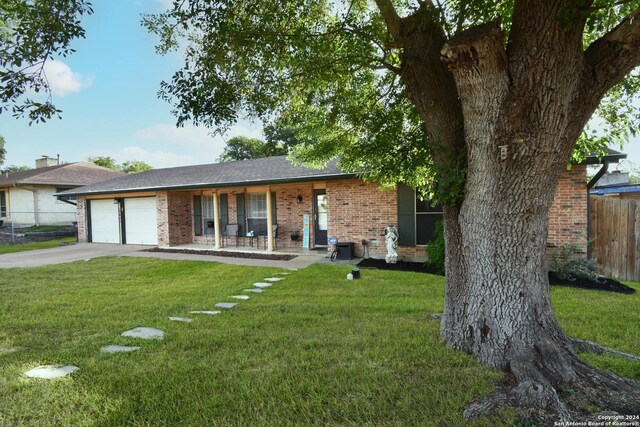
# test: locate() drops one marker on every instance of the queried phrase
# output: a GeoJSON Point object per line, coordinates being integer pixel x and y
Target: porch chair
{"type": "Point", "coordinates": [275, 238]}
{"type": "Point", "coordinates": [230, 230]}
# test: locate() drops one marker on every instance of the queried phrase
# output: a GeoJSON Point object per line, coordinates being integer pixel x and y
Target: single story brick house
{"type": "Point", "coordinates": [27, 197]}
{"type": "Point", "coordinates": [200, 204]}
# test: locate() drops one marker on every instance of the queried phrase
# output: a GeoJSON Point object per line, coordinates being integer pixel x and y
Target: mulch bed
{"type": "Point", "coordinates": [380, 264]}
{"type": "Point", "coordinates": [250, 255]}
{"type": "Point", "coordinates": [602, 284]}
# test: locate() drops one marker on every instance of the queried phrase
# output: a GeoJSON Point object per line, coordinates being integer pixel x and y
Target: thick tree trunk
{"type": "Point", "coordinates": [519, 129]}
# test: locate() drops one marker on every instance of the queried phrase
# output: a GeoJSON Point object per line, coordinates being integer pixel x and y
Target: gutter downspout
{"type": "Point", "coordinates": [590, 184]}
{"type": "Point", "coordinates": [67, 201]}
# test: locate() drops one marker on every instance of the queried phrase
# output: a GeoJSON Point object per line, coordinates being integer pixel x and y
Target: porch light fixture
{"type": "Point", "coordinates": [299, 199]}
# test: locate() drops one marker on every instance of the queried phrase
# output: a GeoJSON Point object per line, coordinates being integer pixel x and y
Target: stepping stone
{"type": "Point", "coordinates": [205, 312]}
{"type": "Point", "coordinates": [283, 274]}
{"type": "Point", "coordinates": [254, 290]}
{"type": "Point", "coordinates": [274, 279]}
{"type": "Point", "coordinates": [118, 348]}
{"type": "Point", "coordinates": [262, 285]}
{"type": "Point", "coordinates": [144, 333]}
{"type": "Point", "coordinates": [51, 371]}
{"type": "Point", "coordinates": [242, 297]}
{"type": "Point", "coordinates": [226, 305]}
{"type": "Point", "coordinates": [181, 319]}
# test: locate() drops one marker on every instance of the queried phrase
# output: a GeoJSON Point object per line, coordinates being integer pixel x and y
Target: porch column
{"type": "Point", "coordinates": [269, 221]}
{"type": "Point", "coordinates": [216, 221]}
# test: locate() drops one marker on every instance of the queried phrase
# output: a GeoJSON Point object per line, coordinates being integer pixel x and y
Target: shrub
{"type": "Point", "coordinates": [568, 263]}
{"type": "Point", "coordinates": [435, 251]}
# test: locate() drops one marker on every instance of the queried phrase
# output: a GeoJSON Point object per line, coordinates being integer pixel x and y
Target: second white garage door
{"type": "Point", "coordinates": [141, 221]}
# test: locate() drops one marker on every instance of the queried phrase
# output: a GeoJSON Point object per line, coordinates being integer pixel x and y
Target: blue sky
{"type": "Point", "coordinates": [107, 91]}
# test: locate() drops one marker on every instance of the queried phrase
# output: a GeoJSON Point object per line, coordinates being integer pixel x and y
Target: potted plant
{"type": "Point", "coordinates": [295, 235]}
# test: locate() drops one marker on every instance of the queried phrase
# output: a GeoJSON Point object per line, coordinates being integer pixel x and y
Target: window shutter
{"type": "Point", "coordinates": [273, 208]}
{"type": "Point", "coordinates": [240, 214]}
{"type": "Point", "coordinates": [406, 216]}
{"type": "Point", "coordinates": [197, 215]}
{"type": "Point", "coordinates": [224, 211]}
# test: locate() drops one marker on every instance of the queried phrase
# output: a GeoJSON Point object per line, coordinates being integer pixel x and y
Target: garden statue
{"type": "Point", "coordinates": [391, 237]}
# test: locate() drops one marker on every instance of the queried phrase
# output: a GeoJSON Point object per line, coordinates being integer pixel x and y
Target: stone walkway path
{"type": "Point", "coordinates": [149, 333]}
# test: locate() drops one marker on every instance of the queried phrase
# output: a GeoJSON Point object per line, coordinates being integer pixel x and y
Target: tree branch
{"type": "Point", "coordinates": [615, 54]}
{"type": "Point", "coordinates": [390, 17]}
{"type": "Point", "coordinates": [606, 62]}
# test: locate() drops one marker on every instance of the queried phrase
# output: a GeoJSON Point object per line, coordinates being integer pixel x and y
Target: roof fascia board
{"type": "Point", "coordinates": [217, 185]}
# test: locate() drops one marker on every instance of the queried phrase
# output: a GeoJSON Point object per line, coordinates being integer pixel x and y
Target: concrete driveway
{"type": "Point", "coordinates": [65, 254]}
{"type": "Point", "coordinates": [82, 251]}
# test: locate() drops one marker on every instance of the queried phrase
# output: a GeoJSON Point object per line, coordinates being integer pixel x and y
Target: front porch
{"type": "Point", "coordinates": [295, 251]}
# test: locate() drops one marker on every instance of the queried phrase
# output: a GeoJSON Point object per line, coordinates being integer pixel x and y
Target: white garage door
{"type": "Point", "coordinates": [105, 224]}
{"type": "Point", "coordinates": [141, 221]}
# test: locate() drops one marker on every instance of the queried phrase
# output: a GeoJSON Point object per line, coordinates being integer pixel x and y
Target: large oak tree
{"type": "Point", "coordinates": [482, 101]}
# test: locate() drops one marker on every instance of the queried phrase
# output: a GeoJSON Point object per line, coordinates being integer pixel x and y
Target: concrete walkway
{"type": "Point", "coordinates": [82, 251]}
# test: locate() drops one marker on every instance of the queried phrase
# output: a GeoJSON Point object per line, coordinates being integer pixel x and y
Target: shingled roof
{"type": "Point", "coordinates": [70, 174]}
{"type": "Point", "coordinates": [268, 170]}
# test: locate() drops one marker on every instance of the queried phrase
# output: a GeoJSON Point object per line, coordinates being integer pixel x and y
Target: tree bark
{"type": "Point", "coordinates": [516, 111]}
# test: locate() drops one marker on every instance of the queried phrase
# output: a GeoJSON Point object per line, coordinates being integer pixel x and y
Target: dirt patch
{"type": "Point", "coordinates": [601, 284]}
{"type": "Point", "coordinates": [250, 255]}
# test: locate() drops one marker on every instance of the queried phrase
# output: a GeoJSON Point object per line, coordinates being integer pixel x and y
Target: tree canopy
{"type": "Point", "coordinates": [14, 168]}
{"type": "Point", "coordinates": [278, 142]}
{"type": "Point", "coordinates": [332, 70]}
{"type": "Point", "coordinates": [31, 33]}
{"type": "Point", "coordinates": [133, 166]}
{"type": "Point", "coordinates": [3, 151]}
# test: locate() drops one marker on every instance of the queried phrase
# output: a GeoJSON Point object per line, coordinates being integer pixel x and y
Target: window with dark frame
{"type": "Point", "coordinates": [3, 204]}
{"type": "Point", "coordinates": [427, 215]}
{"type": "Point", "coordinates": [256, 205]}
{"type": "Point", "coordinates": [203, 221]}
{"type": "Point", "coordinates": [207, 215]}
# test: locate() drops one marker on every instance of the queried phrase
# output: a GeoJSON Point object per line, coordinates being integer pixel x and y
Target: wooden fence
{"type": "Point", "coordinates": [615, 236]}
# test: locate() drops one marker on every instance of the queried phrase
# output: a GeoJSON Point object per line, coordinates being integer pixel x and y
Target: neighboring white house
{"type": "Point", "coordinates": [27, 197]}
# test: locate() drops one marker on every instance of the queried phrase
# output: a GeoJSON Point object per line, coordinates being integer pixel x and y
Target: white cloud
{"type": "Point", "coordinates": [162, 145]}
{"type": "Point", "coordinates": [157, 159]}
{"type": "Point", "coordinates": [62, 80]}
{"type": "Point", "coordinates": [200, 143]}
{"type": "Point", "coordinates": [165, 4]}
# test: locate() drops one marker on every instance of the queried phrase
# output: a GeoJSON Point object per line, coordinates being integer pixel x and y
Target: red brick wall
{"type": "Point", "coordinates": [290, 213]}
{"type": "Point", "coordinates": [82, 219]}
{"type": "Point", "coordinates": [360, 211]}
{"type": "Point", "coordinates": [175, 221]}
{"type": "Point", "coordinates": [568, 213]}
{"type": "Point", "coordinates": [162, 206]}
{"type": "Point", "coordinates": [357, 211]}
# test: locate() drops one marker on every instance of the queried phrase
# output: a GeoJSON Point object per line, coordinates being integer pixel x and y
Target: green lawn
{"type": "Point", "coordinates": [315, 349]}
{"type": "Point", "coordinates": [7, 249]}
{"type": "Point", "coordinates": [43, 228]}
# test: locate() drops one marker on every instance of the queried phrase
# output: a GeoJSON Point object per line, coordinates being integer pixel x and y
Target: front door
{"type": "Point", "coordinates": [321, 217]}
